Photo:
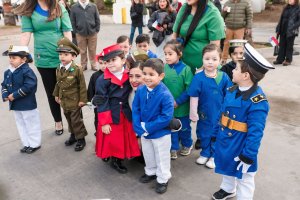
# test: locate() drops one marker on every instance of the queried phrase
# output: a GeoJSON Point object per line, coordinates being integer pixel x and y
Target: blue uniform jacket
{"type": "Point", "coordinates": [211, 96]}
{"type": "Point", "coordinates": [156, 111]}
{"type": "Point", "coordinates": [251, 109]}
{"type": "Point", "coordinates": [22, 83]}
{"type": "Point", "coordinates": [151, 54]}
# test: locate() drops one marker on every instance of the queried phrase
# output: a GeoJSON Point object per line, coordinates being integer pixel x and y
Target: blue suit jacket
{"type": "Point", "coordinates": [156, 111]}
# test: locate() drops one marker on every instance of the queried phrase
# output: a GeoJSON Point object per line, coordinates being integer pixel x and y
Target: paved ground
{"type": "Point", "coordinates": [57, 172]}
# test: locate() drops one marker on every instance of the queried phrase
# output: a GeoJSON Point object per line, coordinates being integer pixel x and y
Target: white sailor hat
{"type": "Point", "coordinates": [18, 51]}
{"type": "Point", "coordinates": [256, 60]}
{"type": "Point", "coordinates": [237, 43]}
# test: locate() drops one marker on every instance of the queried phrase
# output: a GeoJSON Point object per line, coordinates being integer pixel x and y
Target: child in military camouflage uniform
{"type": "Point", "coordinates": [70, 92]}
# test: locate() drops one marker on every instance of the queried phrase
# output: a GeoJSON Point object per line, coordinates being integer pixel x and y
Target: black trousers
{"type": "Point", "coordinates": [49, 80]}
{"type": "Point", "coordinates": [286, 45]}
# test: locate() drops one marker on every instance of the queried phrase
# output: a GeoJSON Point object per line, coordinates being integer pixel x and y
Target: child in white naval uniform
{"type": "Point", "coordinates": [19, 87]}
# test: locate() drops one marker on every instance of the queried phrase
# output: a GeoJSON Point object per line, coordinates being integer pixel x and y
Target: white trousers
{"type": "Point", "coordinates": [160, 49]}
{"type": "Point", "coordinates": [244, 187]}
{"type": "Point", "coordinates": [157, 157]}
{"type": "Point", "coordinates": [29, 127]}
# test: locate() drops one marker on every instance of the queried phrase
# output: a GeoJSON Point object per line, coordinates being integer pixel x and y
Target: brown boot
{"type": "Point", "coordinates": [286, 63]}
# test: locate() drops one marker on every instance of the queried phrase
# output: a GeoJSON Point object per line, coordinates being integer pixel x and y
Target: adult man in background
{"type": "Point", "coordinates": [238, 17]}
{"type": "Point", "coordinates": [86, 24]}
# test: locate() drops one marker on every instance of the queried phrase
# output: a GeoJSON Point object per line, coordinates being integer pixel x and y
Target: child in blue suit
{"type": "Point", "coordinates": [19, 88]}
{"type": "Point", "coordinates": [207, 92]}
{"type": "Point", "coordinates": [152, 109]}
{"type": "Point", "coordinates": [243, 120]}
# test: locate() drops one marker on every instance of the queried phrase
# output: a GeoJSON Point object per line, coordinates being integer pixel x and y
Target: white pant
{"type": "Point", "coordinates": [157, 157]}
{"type": "Point", "coordinates": [243, 187]}
{"type": "Point", "coordinates": [160, 49]}
{"type": "Point", "coordinates": [29, 127]}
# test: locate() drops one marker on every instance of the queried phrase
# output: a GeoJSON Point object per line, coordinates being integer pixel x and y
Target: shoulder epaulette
{"type": "Point", "coordinates": [232, 88]}
{"type": "Point", "coordinates": [258, 98]}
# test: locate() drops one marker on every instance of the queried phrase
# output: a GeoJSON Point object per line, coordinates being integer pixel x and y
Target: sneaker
{"type": "Point", "coordinates": [174, 154]}
{"type": "Point", "coordinates": [222, 195]}
{"type": "Point", "coordinates": [185, 151]}
{"type": "Point", "coordinates": [198, 144]}
{"type": "Point", "coordinates": [210, 163]}
{"type": "Point", "coordinates": [201, 160]}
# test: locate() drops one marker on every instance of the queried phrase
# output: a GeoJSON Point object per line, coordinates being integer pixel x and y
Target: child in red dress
{"type": "Point", "coordinates": [115, 136]}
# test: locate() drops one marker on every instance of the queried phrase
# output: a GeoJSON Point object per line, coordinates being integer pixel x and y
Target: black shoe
{"type": "Point", "coordinates": [161, 187]}
{"type": "Point", "coordinates": [80, 144]}
{"type": "Point", "coordinates": [23, 150]}
{"type": "Point", "coordinates": [198, 144]}
{"type": "Point", "coordinates": [95, 134]}
{"type": "Point", "coordinates": [222, 195]}
{"type": "Point", "coordinates": [105, 159]}
{"type": "Point", "coordinates": [146, 179]}
{"type": "Point", "coordinates": [30, 150]}
{"type": "Point", "coordinates": [71, 140]}
{"type": "Point", "coordinates": [117, 165]}
{"type": "Point", "coordinates": [277, 62]}
{"type": "Point", "coordinates": [59, 132]}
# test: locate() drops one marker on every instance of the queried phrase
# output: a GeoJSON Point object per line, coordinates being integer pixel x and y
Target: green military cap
{"type": "Point", "coordinates": [237, 43]}
{"type": "Point", "coordinates": [140, 55]}
{"type": "Point", "coordinates": [65, 45]}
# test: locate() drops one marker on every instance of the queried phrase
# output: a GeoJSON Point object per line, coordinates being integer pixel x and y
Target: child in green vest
{"type": "Point", "coordinates": [178, 77]}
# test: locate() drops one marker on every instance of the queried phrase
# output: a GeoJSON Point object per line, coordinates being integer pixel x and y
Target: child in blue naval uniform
{"type": "Point", "coordinates": [243, 120]}
{"type": "Point", "coordinates": [19, 88]}
{"type": "Point", "coordinates": [207, 92]}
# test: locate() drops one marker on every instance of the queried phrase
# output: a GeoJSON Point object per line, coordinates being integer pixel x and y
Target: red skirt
{"type": "Point", "coordinates": [120, 143]}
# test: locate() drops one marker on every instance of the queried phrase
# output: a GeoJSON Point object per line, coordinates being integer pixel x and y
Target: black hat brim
{"type": "Point", "coordinates": [66, 50]}
{"type": "Point", "coordinates": [112, 54]}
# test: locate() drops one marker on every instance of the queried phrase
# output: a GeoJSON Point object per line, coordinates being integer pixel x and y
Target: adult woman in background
{"type": "Point", "coordinates": [136, 15]}
{"type": "Point", "coordinates": [48, 21]}
{"type": "Point", "coordinates": [288, 29]}
{"type": "Point", "coordinates": [198, 23]}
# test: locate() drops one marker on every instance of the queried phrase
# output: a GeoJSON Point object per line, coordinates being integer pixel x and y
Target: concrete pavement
{"type": "Point", "coordinates": [57, 172]}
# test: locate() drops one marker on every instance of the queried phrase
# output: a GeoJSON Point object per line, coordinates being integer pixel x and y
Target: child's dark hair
{"type": "Point", "coordinates": [142, 38]}
{"type": "Point", "coordinates": [231, 50]}
{"type": "Point", "coordinates": [154, 63]}
{"type": "Point", "coordinates": [255, 75]}
{"type": "Point", "coordinates": [28, 57]}
{"type": "Point", "coordinates": [122, 39]}
{"type": "Point", "coordinates": [175, 46]}
{"type": "Point", "coordinates": [137, 64]}
{"type": "Point", "coordinates": [210, 48]}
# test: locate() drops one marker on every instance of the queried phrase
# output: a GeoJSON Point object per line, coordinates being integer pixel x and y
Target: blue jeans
{"type": "Point", "coordinates": [132, 31]}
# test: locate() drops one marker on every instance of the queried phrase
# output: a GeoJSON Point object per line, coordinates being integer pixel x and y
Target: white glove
{"type": "Point", "coordinates": [244, 166]}
{"type": "Point", "coordinates": [143, 125]}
